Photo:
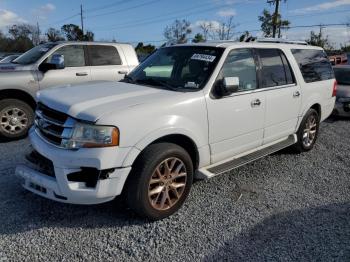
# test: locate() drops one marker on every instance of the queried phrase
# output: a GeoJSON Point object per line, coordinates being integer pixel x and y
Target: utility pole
{"type": "Point", "coordinates": [275, 16]}
{"type": "Point", "coordinates": [37, 40]}
{"type": "Point", "coordinates": [82, 18]}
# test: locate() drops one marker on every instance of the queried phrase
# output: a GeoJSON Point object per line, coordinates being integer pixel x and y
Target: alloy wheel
{"type": "Point", "coordinates": [310, 130]}
{"type": "Point", "coordinates": [167, 184]}
{"type": "Point", "coordinates": [13, 120]}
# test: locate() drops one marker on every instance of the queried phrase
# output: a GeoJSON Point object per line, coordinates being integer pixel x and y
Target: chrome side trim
{"type": "Point", "coordinates": [260, 90]}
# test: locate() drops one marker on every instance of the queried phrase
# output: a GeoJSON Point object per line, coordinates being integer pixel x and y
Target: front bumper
{"type": "Point", "coordinates": [65, 162]}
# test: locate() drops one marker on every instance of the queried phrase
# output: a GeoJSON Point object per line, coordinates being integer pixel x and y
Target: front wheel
{"type": "Point", "coordinates": [308, 131]}
{"type": "Point", "coordinates": [160, 181]}
{"type": "Point", "coordinates": [16, 117]}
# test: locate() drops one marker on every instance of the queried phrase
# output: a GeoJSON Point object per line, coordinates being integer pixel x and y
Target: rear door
{"type": "Point", "coordinates": [283, 94]}
{"type": "Point", "coordinates": [76, 70]}
{"type": "Point", "coordinates": [107, 63]}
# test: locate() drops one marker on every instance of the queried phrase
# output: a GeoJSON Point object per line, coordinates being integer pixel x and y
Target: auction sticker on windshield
{"type": "Point", "coordinates": [203, 57]}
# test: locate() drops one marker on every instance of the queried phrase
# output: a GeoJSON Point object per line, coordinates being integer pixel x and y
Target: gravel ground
{"type": "Point", "coordinates": [292, 207]}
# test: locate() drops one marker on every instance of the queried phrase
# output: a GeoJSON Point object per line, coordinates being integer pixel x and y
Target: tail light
{"type": "Point", "coordinates": [334, 92]}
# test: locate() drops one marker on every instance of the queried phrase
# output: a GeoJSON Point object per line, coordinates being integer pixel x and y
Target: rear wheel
{"type": "Point", "coordinates": [308, 131]}
{"type": "Point", "coordinates": [16, 117]}
{"type": "Point", "coordinates": [160, 181]}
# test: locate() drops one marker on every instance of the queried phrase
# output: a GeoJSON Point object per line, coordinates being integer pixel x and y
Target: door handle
{"type": "Point", "coordinates": [81, 74]}
{"type": "Point", "coordinates": [296, 94]}
{"type": "Point", "coordinates": [123, 72]}
{"type": "Point", "coordinates": [256, 103]}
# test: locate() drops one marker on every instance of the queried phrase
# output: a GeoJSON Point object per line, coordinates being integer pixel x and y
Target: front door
{"type": "Point", "coordinates": [236, 122]}
{"type": "Point", "coordinates": [75, 71]}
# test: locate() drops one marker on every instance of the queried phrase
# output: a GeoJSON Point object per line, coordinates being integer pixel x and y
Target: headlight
{"type": "Point", "coordinates": [91, 136]}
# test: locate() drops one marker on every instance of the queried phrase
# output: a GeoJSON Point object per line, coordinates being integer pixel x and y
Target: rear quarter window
{"type": "Point", "coordinates": [314, 65]}
{"type": "Point", "coordinates": [104, 55]}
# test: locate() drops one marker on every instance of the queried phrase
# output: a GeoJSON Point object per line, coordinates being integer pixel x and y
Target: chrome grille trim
{"type": "Point", "coordinates": [52, 130]}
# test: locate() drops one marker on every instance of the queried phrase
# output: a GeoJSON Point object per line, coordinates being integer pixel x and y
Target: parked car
{"type": "Point", "coordinates": [221, 106]}
{"type": "Point", "coordinates": [54, 64]}
{"type": "Point", "coordinates": [8, 59]}
{"type": "Point", "coordinates": [342, 104]}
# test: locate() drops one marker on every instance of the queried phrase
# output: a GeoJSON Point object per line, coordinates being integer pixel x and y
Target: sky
{"type": "Point", "coordinates": [144, 20]}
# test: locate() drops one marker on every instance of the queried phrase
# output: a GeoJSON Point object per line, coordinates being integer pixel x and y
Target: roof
{"type": "Point", "coordinates": [89, 43]}
{"type": "Point", "coordinates": [226, 44]}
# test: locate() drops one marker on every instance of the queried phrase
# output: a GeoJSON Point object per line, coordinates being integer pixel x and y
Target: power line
{"type": "Point", "coordinates": [179, 12]}
{"type": "Point", "coordinates": [125, 9]}
{"type": "Point", "coordinates": [62, 20]}
{"type": "Point", "coordinates": [159, 20]}
{"type": "Point", "coordinates": [90, 10]}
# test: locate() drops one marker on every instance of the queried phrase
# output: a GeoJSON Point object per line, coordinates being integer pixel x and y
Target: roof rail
{"type": "Point", "coordinates": [277, 40]}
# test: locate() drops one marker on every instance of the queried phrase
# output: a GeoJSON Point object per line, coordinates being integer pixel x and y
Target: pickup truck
{"type": "Point", "coordinates": [53, 64]}
{"type": "Point", "coordinates": [195, 110]}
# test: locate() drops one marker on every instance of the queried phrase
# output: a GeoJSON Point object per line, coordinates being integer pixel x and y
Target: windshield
{"type": "Point", "coordinates": [178, 68]}
{"type": "Point", "coordinates": [8, 59]}
{"type": "Point", "coordinates": [342, 75]}
{"type": "Point", "coordinates": [33, 54]}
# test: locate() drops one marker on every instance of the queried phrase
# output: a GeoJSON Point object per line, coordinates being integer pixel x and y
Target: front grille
{"type": "Point", "coordinates": [52, 125]}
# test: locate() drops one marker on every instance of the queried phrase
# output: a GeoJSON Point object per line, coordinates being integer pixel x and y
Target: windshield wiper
{"type": "Point", "coordinates": [128, 79]}
{"type": "Point", "coordinates": [157, 82]}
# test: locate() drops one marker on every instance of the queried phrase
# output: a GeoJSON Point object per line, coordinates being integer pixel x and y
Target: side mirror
{"type": "Point", "coordinates": [57, 62]}
{"type": "Point", "coordinates": [228, 86]}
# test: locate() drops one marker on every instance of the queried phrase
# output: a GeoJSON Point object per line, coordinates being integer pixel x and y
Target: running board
{"type": "Point", "coordinates": [218, 169]}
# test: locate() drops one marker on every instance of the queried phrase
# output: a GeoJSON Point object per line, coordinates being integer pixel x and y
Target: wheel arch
{"type": "Point", "coordinates": [180, 139]}
{"type": "Point", "coordinates": [317, 107]}
{"type": "Point", "coordinates": [18, 94]}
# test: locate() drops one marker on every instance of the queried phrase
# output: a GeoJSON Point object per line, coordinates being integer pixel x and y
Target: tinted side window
{"type": "Point", "coordinates": [73, 55]}
{"type": "Point", "coordinates": [314, 64]}
{"type": "Point", "coordinates": [287, 70]}
{"type": "Point", "coordinates": [273, 70]}
{"type": "Point", "coordinates": [104, 55]}
{"type": "Point", "coordinates": [241, 63]}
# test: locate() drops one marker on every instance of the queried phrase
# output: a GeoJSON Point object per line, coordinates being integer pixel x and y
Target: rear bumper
{"type": "Point", "coordinates": [59, 188]}
{"type": "Point", "coordinates": [342, 108]}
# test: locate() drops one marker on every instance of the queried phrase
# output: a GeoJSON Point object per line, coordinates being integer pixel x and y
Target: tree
{"type": "Point", "coordinates": [178, 32]}
{"type": "Point", "coordinates": [225, 31]}
{"type": "Point", "coordinates": [319, 40]}
{"type": "Point", "coordinates": [267, 23]}
{"type": "Point", "coordinates": [21, 37]}
{"type": "Point", "coordinates": [206, 28]}
{"type": "Point", "coordinates": [245, 36]}
{"type": "Point", "coordinates": [74, 33]}
{"type": "Point", "coordinates": [54, 35]}
{"type": "Point", "coordinates": [89, 36]}
{"type": "Point", "coordinates": [20, 31]}
{"type": "Point", "coordinates": [144, 49]}
{"type": "Point", "coordinates": [198, 38]}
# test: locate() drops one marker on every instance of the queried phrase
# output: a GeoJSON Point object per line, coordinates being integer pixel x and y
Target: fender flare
{"type": "Point", "coordinates": [153, 136]}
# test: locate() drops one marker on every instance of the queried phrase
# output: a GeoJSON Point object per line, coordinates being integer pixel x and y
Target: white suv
{"type": "Point", "coordinates": [187, 110]}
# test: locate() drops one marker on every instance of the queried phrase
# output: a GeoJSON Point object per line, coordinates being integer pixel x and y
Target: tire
{"type": "Point", "coordinates": [145, 196]}
{"type": "Point", "coordinates": [307, 136]}
{"type": "Point", "coordinates": [16, 117]}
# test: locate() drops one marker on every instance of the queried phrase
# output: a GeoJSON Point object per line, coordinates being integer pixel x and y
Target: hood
{"type": "Point", "coordinates": [343, 90]}
{"type": "Point", "coordinates": [91, 101]}
{"type": "Point", "coordinates": [11, 67]}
